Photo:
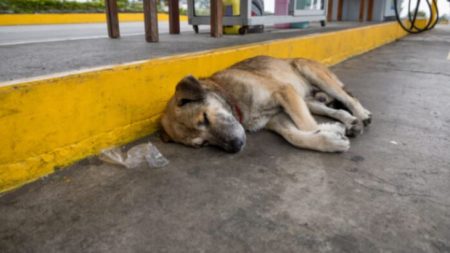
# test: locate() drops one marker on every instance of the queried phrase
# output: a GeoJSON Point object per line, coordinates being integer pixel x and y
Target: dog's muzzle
{"type": "Point", "coordinates": [235, 145]}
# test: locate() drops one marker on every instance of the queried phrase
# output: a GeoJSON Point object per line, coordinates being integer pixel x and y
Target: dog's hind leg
{"type": "Point", "coordinates": [319, 75]}
{"type": "Point", "coordinates": [352, 128]}
{"type": "Point", "coordinates": [320, 140]}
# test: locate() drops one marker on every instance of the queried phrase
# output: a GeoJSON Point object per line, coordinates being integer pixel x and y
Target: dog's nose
{"type": "Point", "coordinates": [236, 145]}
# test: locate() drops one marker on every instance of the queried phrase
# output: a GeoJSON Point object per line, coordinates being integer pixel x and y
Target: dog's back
{"type": "Point", "coordinates": [253, 82]}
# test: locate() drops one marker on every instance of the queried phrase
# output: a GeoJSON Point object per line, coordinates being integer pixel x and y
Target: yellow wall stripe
{"type": "Point", "coordinates": [55, 121]}
{"type": "Point", "coordinates": [72, 18]}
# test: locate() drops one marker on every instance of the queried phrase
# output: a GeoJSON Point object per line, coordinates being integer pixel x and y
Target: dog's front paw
{"type": "Point", "coordinates": [332, 127]}
{"type": "Point", "coordinates": [332, 141]}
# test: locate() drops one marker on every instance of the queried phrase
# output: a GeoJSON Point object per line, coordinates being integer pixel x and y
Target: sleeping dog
{"type": "Point", "coordinates": [264, 93]}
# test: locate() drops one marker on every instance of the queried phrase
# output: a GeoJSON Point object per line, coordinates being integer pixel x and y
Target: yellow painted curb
{"type": "Point", "coordinates": [72, 18]}
{"type": "Point", "coordinates": [54, 121]}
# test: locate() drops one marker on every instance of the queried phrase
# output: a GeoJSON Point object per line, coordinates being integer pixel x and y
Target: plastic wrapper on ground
{"type": "Point", "coordinates": [141, 155]}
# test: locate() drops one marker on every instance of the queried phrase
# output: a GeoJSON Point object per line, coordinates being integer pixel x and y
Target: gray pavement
{"type": "Point", "coordinates": [31, 34]}
{"type": "Point", "coordinates": [389, 193]}
{"type": "Point", "coordinates": [60, 50]}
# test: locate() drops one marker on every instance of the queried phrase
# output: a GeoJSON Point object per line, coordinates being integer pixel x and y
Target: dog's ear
{"type": "Point", "coordinates": [189, 90]}
{"type": "Point", "coordinates": [164, 136]}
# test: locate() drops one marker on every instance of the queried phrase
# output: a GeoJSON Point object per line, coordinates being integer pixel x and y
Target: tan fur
{"type": "Point", "coordinates": [271, 93]}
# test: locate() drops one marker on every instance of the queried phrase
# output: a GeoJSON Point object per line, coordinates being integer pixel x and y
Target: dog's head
{"type": "Point", "coordinates": [197, 116]}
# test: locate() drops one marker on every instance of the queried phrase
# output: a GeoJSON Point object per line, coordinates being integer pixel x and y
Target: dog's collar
{"type": "Point", "coordinates": [229, 99]}
{"type": "Point", "coordinates": [238, 112]}
{"type": "Point", "coordinates": [234, 106]}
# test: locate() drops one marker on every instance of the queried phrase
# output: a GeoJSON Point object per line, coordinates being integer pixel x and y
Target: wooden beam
{"type": "Point", "coordinates": [151, 21]}
{"type": "Point", "coordinates": [216, 18]}
{"type": "Point", "coordinates": [174, 17]}
{"type": "Point", "coordinates": [112, 19]}
{"type": "Point", "coordinates": [339, 11]}
{"type": "Point", "coordinates": [361, 10]}
{"type": "Point", "coordinates": [370, 10]}
{"type": "Point", "coordinates": [330, 10]}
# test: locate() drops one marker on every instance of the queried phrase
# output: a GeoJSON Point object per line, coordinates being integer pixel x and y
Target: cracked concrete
{"type": "Point", "coordinates": [389, 193]}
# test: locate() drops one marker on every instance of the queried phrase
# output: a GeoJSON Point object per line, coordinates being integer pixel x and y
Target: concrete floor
{"type": "Point", "coordinates": [389, 193]}
{"type": "Point", "coordinates": [66, 51]}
